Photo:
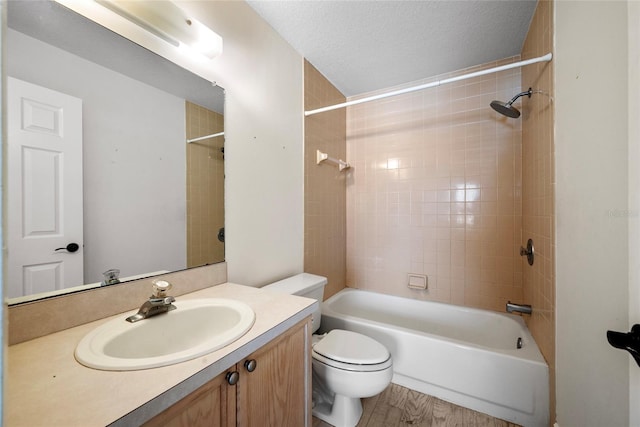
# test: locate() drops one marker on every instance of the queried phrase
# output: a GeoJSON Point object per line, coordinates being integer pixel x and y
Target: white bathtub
{"type": "Point", "coordinates": [462, 355]}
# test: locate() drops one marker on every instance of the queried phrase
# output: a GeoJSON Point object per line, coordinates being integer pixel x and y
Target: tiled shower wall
{"type": "Point", "coordinates": [324, 194]}
{"type": "Point", "coordinates": [538, 186]}
{"type": "Point", "coordinates": [205, 186]}
{"type": "Point", "coordinates": [435, 189]}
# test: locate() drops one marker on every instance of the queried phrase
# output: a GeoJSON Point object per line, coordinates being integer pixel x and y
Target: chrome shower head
{"type": "Point", "coordinates": [506, 108]}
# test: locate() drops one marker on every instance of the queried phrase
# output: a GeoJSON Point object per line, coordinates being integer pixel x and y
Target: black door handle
{"type": "Point", "coordinates": [71, 247]}
{"type": "Point", "coordinates": [629, 341]}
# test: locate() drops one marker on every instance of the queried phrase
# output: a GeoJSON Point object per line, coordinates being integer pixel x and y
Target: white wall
{"type": "Point", "coordinates": [634, 200]}
{"type": "Point", "coordinates": [133, 145]}
{"type": "Point", "coordinates": [591, 204]}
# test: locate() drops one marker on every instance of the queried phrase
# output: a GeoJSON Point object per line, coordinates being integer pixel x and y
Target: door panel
{"type": "Point", "coordinates": [41, 196]}
{"type": "Point", "coordinates": [42, 276]}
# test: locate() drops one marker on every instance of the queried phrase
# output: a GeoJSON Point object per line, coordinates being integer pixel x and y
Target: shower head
{"type": "Point", "coordinates": [506, 108]}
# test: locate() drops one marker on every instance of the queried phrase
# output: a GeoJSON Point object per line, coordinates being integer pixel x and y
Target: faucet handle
{"type": "Point", "coordinates": [160, 288]}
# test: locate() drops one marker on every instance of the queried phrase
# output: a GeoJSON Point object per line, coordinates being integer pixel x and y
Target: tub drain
{"type": "Point", "coordinates": [519, 343]}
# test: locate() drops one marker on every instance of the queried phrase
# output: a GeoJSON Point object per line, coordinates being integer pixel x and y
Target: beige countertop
{"type": "Point", "coordinates": [46, 386]}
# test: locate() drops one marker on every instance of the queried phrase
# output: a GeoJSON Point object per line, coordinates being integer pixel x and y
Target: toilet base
{"type": "Point", "coordinates": [345, 411]}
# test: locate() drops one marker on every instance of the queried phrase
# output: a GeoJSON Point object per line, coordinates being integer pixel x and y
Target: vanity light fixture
{"type": "Point", "coordinates": [169, 22]}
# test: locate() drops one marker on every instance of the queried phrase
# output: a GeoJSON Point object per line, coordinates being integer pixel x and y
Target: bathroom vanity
{"type": "Point", "coordinates": [267, 388]}
{"type": "Point", "coordinates": [263, 378]}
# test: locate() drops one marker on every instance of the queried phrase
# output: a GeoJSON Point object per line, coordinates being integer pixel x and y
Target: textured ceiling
{"type": "Point", "coordinates": [361, 46]}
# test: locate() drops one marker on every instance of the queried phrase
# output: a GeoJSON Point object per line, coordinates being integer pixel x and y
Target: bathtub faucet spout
{"type": "Point", "coordinates": [518, 308]}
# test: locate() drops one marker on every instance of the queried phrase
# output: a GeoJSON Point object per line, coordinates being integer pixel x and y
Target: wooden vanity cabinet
{"type": "Point", "coordinates": [273, 388]}
{"type": "Point", "coordinates": [212, 405]}
{"type": "Point", "coordinates": [277, 392]}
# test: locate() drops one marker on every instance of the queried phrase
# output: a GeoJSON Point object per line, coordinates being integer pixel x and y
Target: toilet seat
{"type": "Point", "coordinates": [351, 351]}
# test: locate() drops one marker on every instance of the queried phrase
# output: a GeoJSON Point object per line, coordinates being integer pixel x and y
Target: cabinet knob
{"type": "Point", "coordinates": [232, 377]}
{"type": "Point", "coordinates": [250, 365]}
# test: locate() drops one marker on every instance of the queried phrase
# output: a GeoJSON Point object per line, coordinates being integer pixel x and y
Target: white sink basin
{"type": "Point", "coordinates": [194, 328]}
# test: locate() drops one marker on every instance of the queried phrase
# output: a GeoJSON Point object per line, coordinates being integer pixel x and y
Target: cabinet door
{"type": "Point", "coordinates": [277, 392]}
{"type": "Point", "coordinates": [212, 405]}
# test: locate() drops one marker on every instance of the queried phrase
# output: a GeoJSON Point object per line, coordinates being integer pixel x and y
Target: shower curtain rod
{"type": "Point", "coordinates": [545, 58]}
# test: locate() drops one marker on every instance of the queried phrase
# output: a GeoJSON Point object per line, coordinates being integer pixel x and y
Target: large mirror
{"type": "Point", "coordinates": [128, 192]}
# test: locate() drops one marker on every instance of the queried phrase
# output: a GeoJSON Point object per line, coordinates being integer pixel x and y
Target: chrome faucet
{"type": "Point", "coordinates": [518, 308]}
{"type": "Point", "coordinates": [157, 303]}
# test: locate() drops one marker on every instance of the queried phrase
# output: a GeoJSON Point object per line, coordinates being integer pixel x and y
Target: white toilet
{"type": "Point", "coordinates": [347, 366]}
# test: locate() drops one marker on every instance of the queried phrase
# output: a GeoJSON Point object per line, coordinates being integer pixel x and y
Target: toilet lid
{"type": "Point", "coordinates": [351, 347]}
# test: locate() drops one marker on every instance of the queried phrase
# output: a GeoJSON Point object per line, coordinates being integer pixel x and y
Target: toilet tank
{"type": "Point", "coordinates": [304, 285]}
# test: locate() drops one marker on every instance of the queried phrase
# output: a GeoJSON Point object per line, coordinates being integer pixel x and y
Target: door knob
{"type": "Point", "coordinates": [71, 247]}
{"type": "Point", "coordinates": [629, 341]}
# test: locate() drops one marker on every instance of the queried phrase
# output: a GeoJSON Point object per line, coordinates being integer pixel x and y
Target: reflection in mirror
{"type": "Point", "coordinates": [98, 157]}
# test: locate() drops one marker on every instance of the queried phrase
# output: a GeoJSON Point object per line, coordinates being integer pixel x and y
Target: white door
{"type": "Point", "coordinates": [44, 190]}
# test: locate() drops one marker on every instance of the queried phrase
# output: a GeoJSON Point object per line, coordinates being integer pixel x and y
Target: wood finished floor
{"type": "Point", "coordinates": [397, 406]}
